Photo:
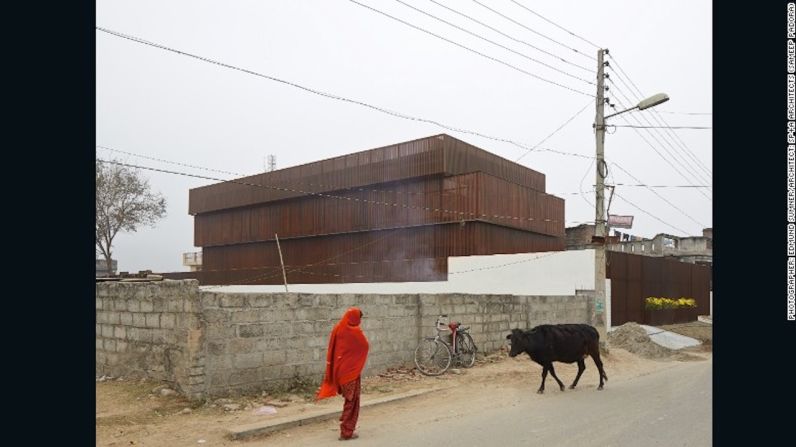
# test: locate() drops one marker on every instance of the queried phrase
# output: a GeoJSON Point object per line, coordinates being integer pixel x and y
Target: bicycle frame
{"type": "Point", "coordinates": [449, 351]}
{"type": "Point", "coordinates": [445, 327]}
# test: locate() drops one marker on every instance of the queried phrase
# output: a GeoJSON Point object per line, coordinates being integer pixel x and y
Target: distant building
{"type": "Point", "coordinates": [580, 237]}
{"type": "Point", "coordinates": [691, 249]}
{"type": "Point", "coordinates": [193, 260]}
{"type": "Point", "coordinates": [102, 268]}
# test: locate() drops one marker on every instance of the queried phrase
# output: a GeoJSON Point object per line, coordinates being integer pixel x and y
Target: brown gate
{"type": "Point", "coordinates": [635, 277]}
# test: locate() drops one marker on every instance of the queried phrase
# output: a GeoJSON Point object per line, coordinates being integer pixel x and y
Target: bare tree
{"type": "Point", "coordinates": [124, 203]}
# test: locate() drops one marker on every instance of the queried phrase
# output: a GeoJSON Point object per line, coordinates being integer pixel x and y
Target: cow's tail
{"type": "Point", "coordinates": [605, 376]}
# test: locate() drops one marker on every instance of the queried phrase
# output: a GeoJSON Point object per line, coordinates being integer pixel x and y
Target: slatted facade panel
{"type": "Point", "coordinates": [516, 206]}
{"type": "Point", "coordinates": [401, 161]}
{"type": "Point", "coordinates": [475, 196]}
{"type": "Point", "coordinates": [461, 158]}
{"type": "Point", "coordinates": [636, 277]}
{"type": "Point", "coordinates": [437, 155]}
{"type": "Point", "coordinates": [405, 254]}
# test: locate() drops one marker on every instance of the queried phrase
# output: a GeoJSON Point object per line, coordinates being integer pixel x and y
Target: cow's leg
{"type": "Point", "coordinates": [595, 355]}
{"type": "Point", "coordinates": [553, 372]}
{"type": "Point", "coordinates": [581, 368]}
{"type": "Point", "coordinates": [544, 377]}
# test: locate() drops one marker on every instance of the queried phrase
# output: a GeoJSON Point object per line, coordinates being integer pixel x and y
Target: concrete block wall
{"type": "Point", "coordinates": [212, 344]}
{"type": "Point", "coordinates": [261, 341]}
{"type": "Point", "coordinates": [151, 330]}
{"type": "Point", "coordinates": [491, 317]}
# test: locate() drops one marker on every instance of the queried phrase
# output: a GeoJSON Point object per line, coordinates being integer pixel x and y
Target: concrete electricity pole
{"type": "Point", "coordinates": [599, 220]}
{"type": "Point", "coordinates": [602, 304]}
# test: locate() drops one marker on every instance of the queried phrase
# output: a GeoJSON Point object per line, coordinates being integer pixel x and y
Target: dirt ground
{"type": "Point", "coordinates": [136, 413]}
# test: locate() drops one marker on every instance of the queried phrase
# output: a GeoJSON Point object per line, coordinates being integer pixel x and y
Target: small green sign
{"type": "Point", "coordinates": [599, 306]}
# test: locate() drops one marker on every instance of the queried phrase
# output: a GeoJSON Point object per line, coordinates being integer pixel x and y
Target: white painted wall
{"type": "Point", "coordinates": [550, 273]}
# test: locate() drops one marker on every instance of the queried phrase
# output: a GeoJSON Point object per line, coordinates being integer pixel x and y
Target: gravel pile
{"type": "Point", "coordinates": [632, 337]}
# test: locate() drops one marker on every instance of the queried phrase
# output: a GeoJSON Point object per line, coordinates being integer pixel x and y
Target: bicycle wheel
{"type": "Point", "coordinates": [467, 349]}
{"type": "Point", "coordinates": [432, 357]}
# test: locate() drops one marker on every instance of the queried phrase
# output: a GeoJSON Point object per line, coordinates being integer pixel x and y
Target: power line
{"type": "Point", "coordinates": [176, 163]}
{"type": "Point", "coordinates": [320, 93]}
{"type": "Point", "coordinates": [556, 24]}
{"type": "Point", "coordinates": [661, 155]}
{"type": "Point", "coordinates": [535, 32]}
{"type": "Point", "coordinates": [692, 174]}
{"type": "Point", "coordinates": [660, 127]}
{"type": "Point", "coordinates": [660, 196]}
{"type": "Point", "coordinates": [237, 174]}
{"type": "Point", "coordinates": [661, 186]}
{"type": "Point", "coordinates": [571, 154]}
{"type": "Point", "coordinates": [650, 214]}
{"type": "Point", "coordinates": [687, 166]}
{"type": "Point", "coordinates": [391, 191]}
{"type": "Point", "coordinates": [656, 115]}
{"type": "Point", "coordinates": [577, 193]}
{"type": "Point", "coordinates": [317, 92]}
{"type": "Point", "coordinates": [664, 158]}
{"type": "Point", "coordinates": [512, 37]}
{"type": "Point", "coordinates": [504, 265]}
{"type": "Point", "coordinates": [493, 42]}
{"type": "Point", "coordinates": [676, 138]}
{"type": "Point", "coordinates": [332, 196]}
{"type": "Point", "coordinates": [554, 132]}
{"type": "Point", "coordinates": [494, 59]}
{"type": "Point", "coordinates": [580, 185]}
{"type": "Point", "coordinates": [682, 113]}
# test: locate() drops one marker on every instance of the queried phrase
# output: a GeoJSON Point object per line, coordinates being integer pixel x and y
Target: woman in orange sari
{"type": "Point", "coordinates": [345, 359]}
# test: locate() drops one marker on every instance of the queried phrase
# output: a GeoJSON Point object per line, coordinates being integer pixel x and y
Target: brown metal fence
{"type": "Point", "coordinates": [635, 277]}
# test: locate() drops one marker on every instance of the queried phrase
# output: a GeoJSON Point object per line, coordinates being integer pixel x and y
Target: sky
{"type": "Point", "coordinates": [155, 104]}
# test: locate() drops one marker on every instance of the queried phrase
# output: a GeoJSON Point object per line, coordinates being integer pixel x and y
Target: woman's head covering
{"type": "Point", "coordinates": [346, 355]}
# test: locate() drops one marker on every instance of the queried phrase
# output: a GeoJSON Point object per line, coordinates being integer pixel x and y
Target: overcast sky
{"type": "Point", "coordinates": [159, 104]}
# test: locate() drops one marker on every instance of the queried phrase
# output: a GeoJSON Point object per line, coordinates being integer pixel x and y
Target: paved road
{"type": "Point", "coordinates": [670, 407]}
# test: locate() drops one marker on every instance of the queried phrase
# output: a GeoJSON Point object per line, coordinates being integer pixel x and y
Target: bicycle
{"type": "Point", "coordinates": [434, 355]}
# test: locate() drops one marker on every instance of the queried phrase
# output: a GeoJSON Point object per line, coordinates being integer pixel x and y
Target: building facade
{"type": "Point", "coordinates": [394, 213]}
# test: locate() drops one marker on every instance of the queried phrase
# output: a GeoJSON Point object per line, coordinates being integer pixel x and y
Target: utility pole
{"type": "Point", "coordinates": [598, 315]}
{"type": "Point", "coordinates": [602, 304]}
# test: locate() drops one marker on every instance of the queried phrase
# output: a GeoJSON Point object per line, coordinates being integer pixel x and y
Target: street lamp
{"type": "Point", "coordinates": [602, 171]}
{"type": "Point", "coordinates": [652, 101]}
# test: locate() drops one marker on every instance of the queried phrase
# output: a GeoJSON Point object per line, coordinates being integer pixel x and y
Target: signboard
{"type": "Point", "coordinates": [615, 221]}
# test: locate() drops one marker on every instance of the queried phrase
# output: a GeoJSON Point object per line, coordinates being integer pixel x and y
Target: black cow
{"type": "Point", "coordinates": [566, 343]}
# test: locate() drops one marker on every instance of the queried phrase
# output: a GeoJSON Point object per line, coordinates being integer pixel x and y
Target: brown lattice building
{"type": "Point", "coordinates": [393, 213]}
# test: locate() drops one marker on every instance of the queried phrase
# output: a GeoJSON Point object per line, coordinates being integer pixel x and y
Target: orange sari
{"type": "Point", "coordinates": [346, 355]}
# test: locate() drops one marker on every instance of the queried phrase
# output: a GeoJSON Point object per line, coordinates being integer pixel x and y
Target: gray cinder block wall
{"type": "Point", "coordinates": [151, 330]}
{"type": "Point", "coordinates": [210, 344]}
